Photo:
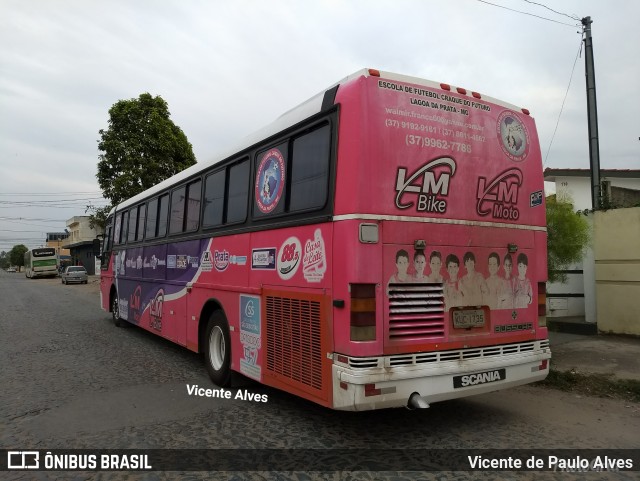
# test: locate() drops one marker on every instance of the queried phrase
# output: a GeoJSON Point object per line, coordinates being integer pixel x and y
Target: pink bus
{"type": "Point", "coordinates": [381, 245]}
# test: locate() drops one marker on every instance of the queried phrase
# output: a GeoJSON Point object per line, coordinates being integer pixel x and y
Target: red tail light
{"type": "Point", "coordinates": [363, 312]}
{"type": "Point", "coordinates": [370, 390]}
{"type": "Point", "coordinates": [542, 304]}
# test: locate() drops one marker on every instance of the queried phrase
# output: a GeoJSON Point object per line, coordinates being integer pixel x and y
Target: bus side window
{"type": "Point", "coordinates": [107, 238]}
{"type": "Point", "coordinates": [125, 225]}
{"type": "Point", "coordinates": [163, 211]}
{"type": "Point", "coordinates": [185, 208]}
{"type": "Point", "coordinates": [133, 219]}
{"type": "Point", "coordinates": [116, 235]}
{"type": "Point", "coordinates": [214, 199]}
{"type": "Point", "coordinates": [310, 170]}
{"type": "Point", "coordinates": [238, 194]}
{"type": "Point", "coordinates": [152, 217]}
{"type": "Point", "coordinates": [192, 218]}
{"type": "Point", "coordinates": [269, 201]}
{"type": "Point", "coordinates": [104, 261]}
{"type": "Point", "coordinates": [176, 220]}
{"type": "Point", "coordinates": [142, 210]}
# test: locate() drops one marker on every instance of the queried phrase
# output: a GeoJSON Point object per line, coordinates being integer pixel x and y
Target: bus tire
{"type": "Point", "coordinates": [115, 311]}
{"type": "Point", "coordinates": [217, 349]}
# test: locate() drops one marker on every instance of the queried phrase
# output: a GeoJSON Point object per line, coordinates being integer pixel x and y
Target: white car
{"type": "Point", "coordinates": [74, 274]}
{"type": "Point", "coordinates": [11, 269]}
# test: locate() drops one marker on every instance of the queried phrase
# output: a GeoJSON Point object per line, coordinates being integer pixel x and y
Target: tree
{"type": "Point", "coordinates": [567, 237]}
{"type": "Point", "coordinates": [142, 146]}
{"type": "Point", "coordinates": [98, 216]}
{"type": "Point", "coordinates": [16, 255]}
{"type": "Point", "coordinates": [4, 260]}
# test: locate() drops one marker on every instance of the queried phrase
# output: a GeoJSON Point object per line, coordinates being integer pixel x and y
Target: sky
{"type": "Point", "coordinates": [228, 68]}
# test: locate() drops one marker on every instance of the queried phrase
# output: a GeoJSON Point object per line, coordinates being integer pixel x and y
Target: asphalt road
{"type": "Point", "coordinates": [71, 379]}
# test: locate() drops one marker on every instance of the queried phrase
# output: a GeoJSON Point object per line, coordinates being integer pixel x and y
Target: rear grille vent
{"type": "Point", "coordinates": [444, 356]}
{"type": "Point", "coordinates": [416, 311]}
{"type": "Point", "coordinates": [294, 339]}
{"type": "Point", "coordinates": [363, 362]}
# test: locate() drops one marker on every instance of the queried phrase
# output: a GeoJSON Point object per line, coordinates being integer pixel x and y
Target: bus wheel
{"type": "Point", "coordinates": [217, 352]}
{"type": "Point", "coordinates": [115, 312]}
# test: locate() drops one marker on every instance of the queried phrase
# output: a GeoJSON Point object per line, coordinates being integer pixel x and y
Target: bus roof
{"type": "Point", "coordinates": [288, 119]}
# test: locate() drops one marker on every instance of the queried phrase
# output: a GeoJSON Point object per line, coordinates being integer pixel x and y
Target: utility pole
{"type": "Point", "coordinates": [592, 115]}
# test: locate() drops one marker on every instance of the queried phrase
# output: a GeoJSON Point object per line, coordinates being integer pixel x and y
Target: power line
{"type": "Point", "coordinates": [47, 206]}
{"type": "Point", "coordinates": [46, 201]}
{"type": "Point", "coordinates": [572, 17]}
{"type": "Point", "coordinates": [530, 14]}
{"type": "Point", "coordinates": [51, 193]}
{"type": "Point", "coordinates": [562, 106]}
{"type": "Point", "coordinates": [30, 219]}
{"type": "Point", "coordinates": [30, 224]}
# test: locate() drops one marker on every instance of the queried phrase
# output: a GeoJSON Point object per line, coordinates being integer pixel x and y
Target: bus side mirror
{"type": "Point", "coordinates": [96, 248]}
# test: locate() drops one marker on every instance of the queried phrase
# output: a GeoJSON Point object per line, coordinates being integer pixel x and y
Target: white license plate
{"type": "Point", "coordinates": [467, 318]}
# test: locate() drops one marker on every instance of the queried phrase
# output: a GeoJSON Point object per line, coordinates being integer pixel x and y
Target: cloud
{"type": "Point", "coordinates": [228, 68]}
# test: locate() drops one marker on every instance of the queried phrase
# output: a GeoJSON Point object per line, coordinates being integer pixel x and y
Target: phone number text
{"type": "Point", "coordinates": [420, 141]}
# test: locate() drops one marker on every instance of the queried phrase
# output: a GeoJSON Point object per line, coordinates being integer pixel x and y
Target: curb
{"type": "Point", "coordinates": [572, 327]}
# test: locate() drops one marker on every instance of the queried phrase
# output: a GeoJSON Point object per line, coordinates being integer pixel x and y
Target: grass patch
{"type": "Point", "coordinates": [593, 385]}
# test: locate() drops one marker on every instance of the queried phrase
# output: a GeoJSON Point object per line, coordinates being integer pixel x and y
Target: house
{"type": "Point", "coordinates": [80, 242]}
{"type": "Point", "coordinates": [56, 240]}
{"type": "Point", "coordinates": [621, 188]}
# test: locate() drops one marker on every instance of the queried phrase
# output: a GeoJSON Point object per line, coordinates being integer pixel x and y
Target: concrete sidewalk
{"type": "Point", "coordinates": [618, 356]}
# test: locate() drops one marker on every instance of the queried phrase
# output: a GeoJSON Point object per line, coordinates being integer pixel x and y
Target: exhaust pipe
{"type": "Point", "coordinates": [417, 402]}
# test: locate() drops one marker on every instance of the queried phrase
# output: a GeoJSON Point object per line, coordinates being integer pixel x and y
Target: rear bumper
{"type": "Point", "coordinates": [78, 280]}
{"type": "Point", "coordinates": [47, 273]}
{"type": "Point", "coordinates": [360, 389]}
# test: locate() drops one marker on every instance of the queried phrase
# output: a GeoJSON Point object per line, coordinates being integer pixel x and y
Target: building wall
{"type": "Point", "coordinates": [572, 298]}
{"type": "Point", "coordinates": [79, 242]}
{"type": "Point", "coordinates": [617, 272]}
{"type": "Point", "coordinates": [578, 297]}
{"type": "Point", "coordinates": [79, 230]}
{"type": "Point", "coordinates": [578, 189]}
{"type": "Point", "coordinates": [57, 246]}
{"type": "Point", "coordinates": [622, 197]}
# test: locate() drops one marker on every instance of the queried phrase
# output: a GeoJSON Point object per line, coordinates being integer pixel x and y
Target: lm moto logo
{"type": "Point", "coordinates": [499, 197]}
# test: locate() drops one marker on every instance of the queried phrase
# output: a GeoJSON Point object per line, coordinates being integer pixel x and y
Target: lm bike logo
{"type": "Point", "coordinates": [423, 183]}
{"type": "Point", "coordinates": [500, 197]}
